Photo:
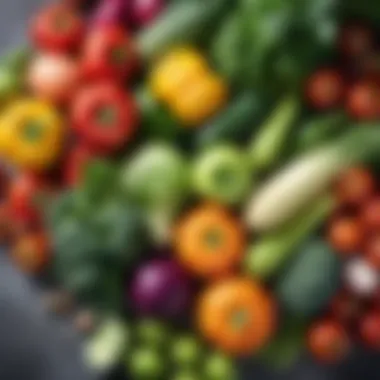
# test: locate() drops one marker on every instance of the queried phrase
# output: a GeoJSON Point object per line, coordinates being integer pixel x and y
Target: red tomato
{"type": "Point", "coordinates": [53, 77]}
{"type": "Point", "coordinates": [328, 341]}
{"type": "Point", "coordinates": [355, 40]}
{"type": "Point", "coordinates": [104, 116]}
{"type": "Point", "coordinates": [369, 329]}
{"type": "Point", "coordinates": [109, 52]}
{"type": "Point", "coordinates": [31, 253]}
{"type": "Point", "coordinates": [75, 164]}
{"type": "Point", "coordinates": [371, 214]}
{"type": "Point", "coordinates": [25, 194]}
{"type": "Point", "coordinates": [346, 307]}
{"type": "Point", "coordinates": [345, 234]}
{"type": "Point", "coordinates": [363, 101]}
{"type": "Point", "coordinates": [372, 251]}
{"type": "Point", "coordinates": [355, 186]}
{"type": "Point", "coordinates": [57, 28]}
{"type": "Point", "coordinates": [325, 89]}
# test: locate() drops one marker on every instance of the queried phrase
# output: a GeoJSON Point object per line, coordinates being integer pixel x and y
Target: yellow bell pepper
{"type": "Point", "coordinates": [200, 100]}
{"type": "Point", "coordinates": [175, 70]}
{"type": "Point", "coordinates": [31, 134]}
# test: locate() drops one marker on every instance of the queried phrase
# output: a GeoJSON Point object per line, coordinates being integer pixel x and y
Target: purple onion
{"type": "Point", "coordinates": [161, 288]}
{"type": "Point", "coordinates": [144, 12]}
{"type": "Point", "coordinates": [111, 12]}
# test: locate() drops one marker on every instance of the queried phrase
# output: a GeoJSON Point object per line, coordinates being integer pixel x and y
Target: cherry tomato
{"type": "Point", "coordinates": [346, 307]}
{"type": "Point", "coordinates": [370, 214]}
{"type": "Point", "coordinates": [104, 116]}
{"type": "Point", "coordinates": [53, 77]}
{"type": "Point", "coordinates": [31, 253]}
{"type": "Point", "coordinates": [372, 251]}
{"type": "Point", "coordinates": [363, 101]}
{"type": "Point", "coordinates": [57, 28]}
{"type": "Point", "coordinates": [25, 195]}
{"type": "Point", "coordinates": [325, 89]}
{"type": "Point", "coordinates": [109, 52]}
{"type": "Point", "coordinates": [328, 341]}
{"type": "Point", "coordinates": [355, 40]}
{"type": "Point", "coordinates": [75, 164]}
{"type": "Point", "coordinates": [345, 234]}
{"type": "Point", "coordinates": [369, 329]}
{"type": "Point", "coordinates": [355, 186]}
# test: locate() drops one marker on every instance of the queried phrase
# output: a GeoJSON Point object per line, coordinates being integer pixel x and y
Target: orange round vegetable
{"type": "Point", "coordinates": [209, 241]}
{"type": "Point", "coordinates": [237, 315]}
{"type": "Point", "coordinates": [31, 253]}
{"type": "Point", "coordinates": [181, 66]}
{"type": "Point", "coordinates": [199, 100]}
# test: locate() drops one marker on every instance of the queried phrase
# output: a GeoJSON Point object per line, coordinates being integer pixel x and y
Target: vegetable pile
{"type": "Point", "coordinates": [193, 182]}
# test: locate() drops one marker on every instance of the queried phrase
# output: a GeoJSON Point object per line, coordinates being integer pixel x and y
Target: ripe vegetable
{"type": "Point", "coordinates": [209, 241]}
{"type": "Point", "coordinates": [371, 214]}
{"type": "Point", "coordinates": [109, 12]}
{"type": "Point", "coordinates": [146, 364]}
{"type": "Point", "coordinates": [186, 352]}
{"type": "Point", "coordinates": [75, 164]}
{"type": "Point", "coordinates": [200, 100]}
{"type": "Point", "coordinates": [346, 235]}
{"type": "Point", "coordinates": [346, 307]}
{"type": "Point", "coordinates": [32, 134]}
{"type": "Point", "coordinates": [26, 196]}
{"type": "Point", "coordinates": [10, 83]}
{"type": "Point", "coordinates": [143, 12]}
{"type": "Point", "coordinates": [325, 89]}
{"type": "Point", "coordinates": [104, 116]}
{"type": "Point", "coordinates": [355, 40]}
{"type": "Point", "coordinates": [53, 77]}
{"type": "Point", "coordinates": [57, 28]}
{"type": "Point", "coordinates": [160, 288]}
{"type": "Point", "coordinates": [328, 342]}
{"type": "Point", "coordinates": [222, 173]}
{"type": "Point", "coordinates": [284, 195]}
{"type": "Point", "coordinates": [219, 367]}
{"type": "Point", "coordinates": [372, 251]}
{"type": "Point", "coordinates": [268, 144]}
{"type": "Point", "coordinates": [152, 333]}
{"type": "Point", "coordinates": [360, 277]}
{"type": "Point", "coordinates": [355, 186]}
{"type": "Point", "coordinates": [363, 101]}
{"type": "Point", "coordinates": [236, 315]}
{"type": "Point", "coordinates": [306, 287]}
{"type": "Point", "coordinates": [105, 348]}
{"type": "Point", "coordinates": [370, 329]}
{"type": "Point", "coordinates": [175, 71]}
{"type": "Point", "coordinates": [109, 53]}
{"type": "Point", "coordinates": [270, 253]}
{"type": "Point", "coordinates": [31, 253]}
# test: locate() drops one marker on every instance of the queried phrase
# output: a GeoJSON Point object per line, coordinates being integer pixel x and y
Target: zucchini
{"type": "Point", "coordinates": [182, 22]}
{"type": "Point", "coordinates": [310, 281]}
{"type": "Point", "coordinates": [235, 123]}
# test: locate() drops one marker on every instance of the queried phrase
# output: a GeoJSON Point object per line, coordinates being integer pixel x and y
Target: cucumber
{"type": "Point", "coordinates": [235, 123]}
{"type": "Point", "coordinates": [182, 22]}
{"type": "Point", "coordinates": [105, 348]}
{"type": "Point", "coordinates": [319, 130]}
{"type": "Point", "coordinates": [310, 281]}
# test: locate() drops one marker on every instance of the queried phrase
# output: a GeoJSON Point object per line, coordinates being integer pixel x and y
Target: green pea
{"type": "Point", "coordinates": [152, 333]}
{"type": "Point", "coordinates": [219, 367]}
{"type": "Point", "coordinates": [146, 364]}
{"type": "Point", "coordinates": [186, 351]}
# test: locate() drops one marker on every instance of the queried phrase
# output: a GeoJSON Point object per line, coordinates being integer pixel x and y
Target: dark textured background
{"type": "Point", "coordinates": [32, 347]}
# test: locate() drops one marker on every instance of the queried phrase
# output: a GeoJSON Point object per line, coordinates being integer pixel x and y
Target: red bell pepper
{"type": "Point", "coordinates": [109, 52]}
{"type": "Point", "coordinates": [57, 28]}
{"type": "Point", "coordinates": [104, 116]}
